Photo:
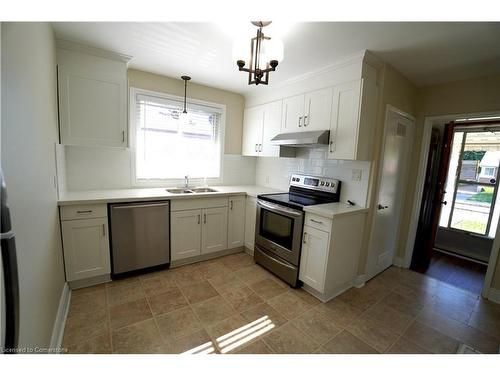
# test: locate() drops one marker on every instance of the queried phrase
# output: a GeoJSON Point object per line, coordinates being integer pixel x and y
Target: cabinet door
{"type": "Point", "coordinates": [86, 248]}
{"type": "Point", "coordinates": [252, 130]}
{"type": "Point", "coordinates": [318, 109]}
{"type": "Point", "coordinates": [214, 230]}
{"type": "Point", "coordinates": [272, 126]}
{"type": "Point", "coordinates": [345, 121]}
{"type": "Point", "coordinates": [314, 257]}
{"type": "Point", "coordinates": [185, 230]}
{"type": "Point", "coordinates": [236, 222]}
{"type": "Point", "coordinates": [92, 100]}
{"type": "Point", "coordinates": [293, 114]}
{"type": "Point", "coordinates": [250, 217]}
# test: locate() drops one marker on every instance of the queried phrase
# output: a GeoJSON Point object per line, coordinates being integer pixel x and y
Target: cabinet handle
{"type": "Point", "coordinates": [199, 217]}
{"type": "Point", "coordinates": [83, 211]}
{"type": "Point", "coordinates": [305, 121]}
{"type": "Point", "coordinates": [204, 218]}
{"type": "Point", "coordinates": [300, 121]}
{"type": "Point", "coordinates": [331, 146]}
{"type": "Point", "coordinates": [260, 147]}
{"type": "Point", "coordinates": [304, 238]}
{"type": "Point", "coordinates": [104, 230]}
{"type": "Point", "coordinates": [316, 221]}
{"type": "Point", "coordinates": [256, 147]}
{"type": "Point", "coordinates": [123, 136]}
{"type": "Point", "coordinates": [231, 204]}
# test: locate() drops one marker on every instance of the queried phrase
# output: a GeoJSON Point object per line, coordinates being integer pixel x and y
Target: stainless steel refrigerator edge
{"type": "Point", "coordinates": [140, 235]}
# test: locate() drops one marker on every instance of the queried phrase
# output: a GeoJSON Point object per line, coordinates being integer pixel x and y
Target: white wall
{"type": "Point", "coordinates": [276, 172]}
{"type": "Point", "coordinates": [28, 136]}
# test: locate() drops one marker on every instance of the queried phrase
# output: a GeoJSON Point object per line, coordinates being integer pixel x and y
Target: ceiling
{"type": "Point", "coordinates": [426, 53]}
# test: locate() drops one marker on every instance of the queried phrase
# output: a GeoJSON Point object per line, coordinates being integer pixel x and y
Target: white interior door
{"type": "Point", "coordinates": [395, 159]}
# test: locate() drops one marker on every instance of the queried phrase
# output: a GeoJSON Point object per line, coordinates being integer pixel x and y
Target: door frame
{"type": "Point", "coordinates": [419, 189]}
{"type": "Point", "coordinates": [389, 108]}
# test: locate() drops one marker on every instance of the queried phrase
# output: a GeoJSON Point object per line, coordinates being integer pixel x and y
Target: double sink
{"type": "Point", "coordinates": [190, 191]}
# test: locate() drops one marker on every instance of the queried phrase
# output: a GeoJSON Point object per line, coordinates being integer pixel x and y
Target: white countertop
{"type": "Point", "coordinates": [331, 210]}
{"type": "Point", "coordinates": [124, 195]}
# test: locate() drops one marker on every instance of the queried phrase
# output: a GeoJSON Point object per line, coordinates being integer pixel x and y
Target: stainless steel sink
{"type": "Point", "coordinates": [179, 191]}
{"type": "Point", "coordinates": [203, 190]}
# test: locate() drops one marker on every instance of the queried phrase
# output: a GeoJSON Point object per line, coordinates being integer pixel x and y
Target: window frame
{"type": "Point", "coordinates": [488, 174]}
{"type": "Point", "coordinates": [168, 182]}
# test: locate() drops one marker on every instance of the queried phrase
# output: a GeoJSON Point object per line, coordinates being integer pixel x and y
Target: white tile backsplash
{"type": "Point", "coordinates": [276, 172]}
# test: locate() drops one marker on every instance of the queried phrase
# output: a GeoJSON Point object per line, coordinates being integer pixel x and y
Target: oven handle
{"type": "Point", "coordinates": [279, 209]}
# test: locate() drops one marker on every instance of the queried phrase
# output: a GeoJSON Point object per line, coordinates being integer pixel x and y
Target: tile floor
{"type": "Point", "coordinates": [231, 305]}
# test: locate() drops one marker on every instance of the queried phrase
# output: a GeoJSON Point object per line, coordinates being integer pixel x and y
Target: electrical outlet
{"type": "Point", "coordinates": [356, 174]}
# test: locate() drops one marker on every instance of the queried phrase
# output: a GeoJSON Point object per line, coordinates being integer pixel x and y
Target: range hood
{"type": "Point", "coordinates": [303, 139]}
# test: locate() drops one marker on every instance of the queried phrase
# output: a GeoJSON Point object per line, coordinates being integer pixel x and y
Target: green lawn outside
{"type": "Point", "coordinates": [485, 196]}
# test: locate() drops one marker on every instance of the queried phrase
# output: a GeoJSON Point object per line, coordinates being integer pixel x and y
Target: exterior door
{"type": "Point", "coordinates": [393, 174]}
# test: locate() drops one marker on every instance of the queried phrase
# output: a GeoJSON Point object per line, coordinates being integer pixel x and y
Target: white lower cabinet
{"type": "Point", "coordinates": [250, 217]}
{"type": "Point", "coordinates": [214, 230]}
{"type": "Point", "coordinates": [86, 248]}
{"type": "Point", "coordinates": [185, 229]}
{"type": "Point", "coordinates": [236, 222]}
{"type": "Point", "coordinates": [330, 253]}
{"type": "Point", "coordinates": [315, 245]}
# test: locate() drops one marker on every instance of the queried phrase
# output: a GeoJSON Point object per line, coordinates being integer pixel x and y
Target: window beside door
{"type": "Point", "coordinates": [167, 144]}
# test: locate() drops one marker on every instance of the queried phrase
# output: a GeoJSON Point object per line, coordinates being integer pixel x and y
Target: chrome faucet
{"type": "Point", "coordinates": [186, 181]}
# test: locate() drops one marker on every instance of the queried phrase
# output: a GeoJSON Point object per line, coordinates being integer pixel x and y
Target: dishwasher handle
{"type": "Point", "coordinates": [140, 206]}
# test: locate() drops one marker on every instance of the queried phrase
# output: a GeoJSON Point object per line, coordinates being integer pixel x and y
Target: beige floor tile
{"type": "Point", "coordinates": [252, 274]}
{"type": "Point", "coordinates": [363, 298]}
{"type": "Point", "coordinates": [168, 301]}
{"type": "Point", "coordinates": [142, 337]}
{"type": "Point", "coordinates": [342, 313]}
{"type": "Point", "coordinates": [453, 303]}
{"type": "Point", "coordinates": [213, 310]}
{"type": "Point", "coordinates": [158, 284]}
{"type": "Point", "coordinates": [267, 288]}
{"type": "Point", "coordinates": [289, 305]}
{"type": "Point", "coordinates": [226, 327]}
{"type": "Point", "coordinates": [288, 339]}
{"type": "Point", "coordinates": [418, 296]}
{"type": "Point", "coordinates": [395, 321]}
{"type": "Point", "coordinates": [242, 299]}
{"type": "Point", "coordinates": [82, 327]}
{"type": "Point", "coordinates": [198, 292]}
{"type": "Point", "coordinates": [129, 313]}
{"type": "Point", "coordinates": [198, 342]}
{"type": "Point", "coordinates": [226, 283]}
{"type": "Point", "coordinates": [123, 291]}
{"type": "Point", "coordinates": [264, 310]}
{"type": "Point", "coordinates": [187, 275]}
{"type": "Point", "coordinates": [318, 324]}
{"type": "Point", "coordinates": [372, 332]}
{"type": "Point", "coordinates": [178, 323]}
{"type": "Point", "coordinates": [486, 317]}
{"type": "Point", "coordinates": [346, 343]}
{"type": "Point", "coordinates": [212, 269]}
{"type": "Point", "coordinates": [403, 303]}
{"type": "Point", "coordinates": [95, 345]}
{"type": "Point", "coordinates": [87, 300]}
{"type": "Point", "coordinates": [431, 339]}
{"type": "Point", "coordinates": [237, 261]}
{"type": "Point", "coordinates": [473, 337]}
{"type": "Point", "coordinates": [403, 346]}
{"type": "Point", "coordinates": [305, 296]}
{"type": "Point", "coordinates": [257, 347]}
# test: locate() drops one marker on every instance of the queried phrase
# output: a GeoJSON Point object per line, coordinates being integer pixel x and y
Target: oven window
{"type": "Point", "coordinates": [277, 228]}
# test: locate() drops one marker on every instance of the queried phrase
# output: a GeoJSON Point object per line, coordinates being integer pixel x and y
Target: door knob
{"type": "Point", "coordinates": [380, 207]}
{"type": "Point", "coordinates": [444, 202]}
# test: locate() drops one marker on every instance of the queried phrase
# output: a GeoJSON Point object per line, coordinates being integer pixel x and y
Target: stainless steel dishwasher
{"type": "Point", "coordinates": [140, 235]}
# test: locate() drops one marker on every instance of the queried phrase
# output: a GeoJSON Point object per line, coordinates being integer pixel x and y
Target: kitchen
{"type": "Point", "coordinates": [194, 217]}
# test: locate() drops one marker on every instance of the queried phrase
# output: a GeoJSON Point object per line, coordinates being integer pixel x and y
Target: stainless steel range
{"type": "Point", "coordinates": [280, 221]}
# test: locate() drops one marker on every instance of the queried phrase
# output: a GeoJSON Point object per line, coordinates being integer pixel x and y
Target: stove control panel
{"type": "Point", "coordinates": [315, 183]}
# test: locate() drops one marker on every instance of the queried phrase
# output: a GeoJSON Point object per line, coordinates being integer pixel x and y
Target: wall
{"type": "Point", "coordinates": [276, 172]}
{"type": "Point", "coordinates": [90, 168]}
{"type": "Point", "coordinates": [29, 133]}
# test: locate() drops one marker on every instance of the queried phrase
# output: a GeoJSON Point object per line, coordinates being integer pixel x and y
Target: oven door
{"type": "Point", "coordinates": [279, 230]}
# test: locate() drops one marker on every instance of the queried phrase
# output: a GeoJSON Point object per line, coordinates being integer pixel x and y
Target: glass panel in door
{"type": "Point", "coordinates": [277, 228]}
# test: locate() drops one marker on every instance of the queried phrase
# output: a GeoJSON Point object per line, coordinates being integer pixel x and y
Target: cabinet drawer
{"type": "Point", "coordinates": [83, 211]}
{"type": "Point", "coordinates": [318, 222]}
{"type": "Point", "coordinates": [195, 204]}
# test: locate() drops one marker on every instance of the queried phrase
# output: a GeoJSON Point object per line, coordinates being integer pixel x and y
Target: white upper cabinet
{"type": "Point", "coordinates": [260, 125]}
{"type": "Point", "coordinates": [92, 99]}
{"type": "Point", "coordinates": [353, 120]}
{"type": "Point", "coordinates": [293, 114]}
{"type": "Point", "coordinates": [318, 110]}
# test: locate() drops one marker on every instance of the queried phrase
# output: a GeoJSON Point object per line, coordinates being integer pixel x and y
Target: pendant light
{"type": "Point", "coordinates": [185, 79]}
{"type": "Point", "coordinates": [265, 53]}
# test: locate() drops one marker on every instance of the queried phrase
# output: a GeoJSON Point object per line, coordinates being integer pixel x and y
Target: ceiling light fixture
{"type": "Point", "coordinates": [265, 54]}
{"type": "Point", "coordinates": [185, 79]}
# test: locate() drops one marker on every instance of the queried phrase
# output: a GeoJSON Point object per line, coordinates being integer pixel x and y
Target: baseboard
{"type": "Point", "coordinates": [494, 295]}
{"type": "Point", "coordinates": [200, 258]}
{"type": "Point", "coordinates": [359, 281]}
{"type": "Point", "coordinates": [60, 322]}
{"type": "Point", "coordinates": [249, 251]}
{"type": "Point", "coordinates": [399, 262]}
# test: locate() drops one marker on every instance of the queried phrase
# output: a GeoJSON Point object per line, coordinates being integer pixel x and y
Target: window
{"type": "Point", "coordinates": [489, 171]}
{"type": "Point", "coordinates": [169, 145]}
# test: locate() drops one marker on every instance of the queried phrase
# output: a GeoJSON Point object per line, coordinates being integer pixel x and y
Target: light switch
{"type": "Point", "coordinates": [356, 174]}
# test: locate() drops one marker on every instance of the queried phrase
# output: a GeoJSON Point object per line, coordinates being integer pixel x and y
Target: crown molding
{"type": "Point", "coordinates": [79, 47]}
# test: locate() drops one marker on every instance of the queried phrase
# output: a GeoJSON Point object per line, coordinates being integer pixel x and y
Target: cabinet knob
{"type": "Point", "coordinates": [300, 121]}
{"type": "Point", "coordinates": [304, 238]}
{"type": "Point", "coordinates": [204, 218]}
{"type": "Point", "coordinates": [305, 120]}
